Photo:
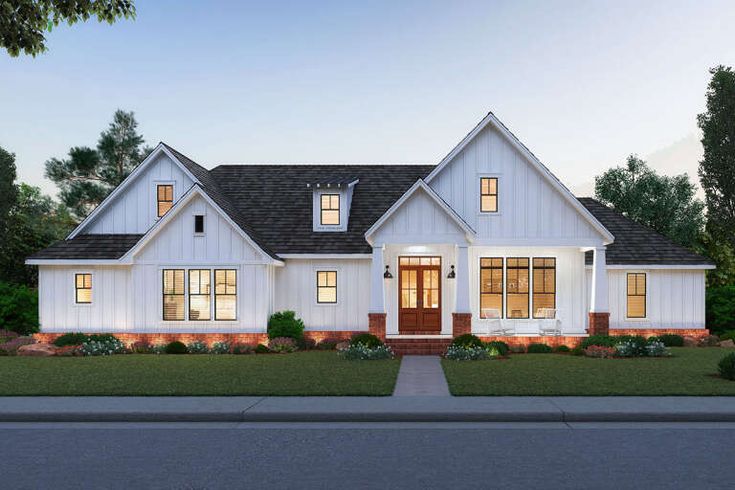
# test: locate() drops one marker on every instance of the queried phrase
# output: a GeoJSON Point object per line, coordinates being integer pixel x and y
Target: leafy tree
{"type": "Point", "coordinates": [723, 254]}
{"type": "Point", "coordinates": [666, 204]}
{"type": "Point", "coordinates": [8, 190]}
{"type": "Point", "coordinates": [717, 168]}
{"type": "Point", "coordinates": [88, 175]}
{"type": "Point", "coordinates": [22, 22]}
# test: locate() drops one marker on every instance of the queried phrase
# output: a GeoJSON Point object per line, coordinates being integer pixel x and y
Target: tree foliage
{"type": "Point", "coordinates": [23, 22]}
{"type": "Point", "coordinates": [665, 204]}
{"type": "Point", "coordinates": [717, 168]}
{"type": "Point", "coordinates": [88, 175]}
{"type": "Point", "coordinates": [8, 190]}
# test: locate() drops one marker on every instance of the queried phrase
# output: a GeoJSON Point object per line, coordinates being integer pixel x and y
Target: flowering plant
{"type": "Point", "coordinates": [599, 351]}
{"type": "Point", "coordinates": [102, 347]}
{"type": "Point", "coordinates": [361, 352]}
{"type": "Point", "coordinates": [282, 345]}
{"type": "Point", "coordinates": [657, 348]}
{"type": "Point", "coordinates": [459, 352]}
{"type": "Point", "coordinates": [220, 348]}
{"type": "Point", "coordinates": [197, 347]}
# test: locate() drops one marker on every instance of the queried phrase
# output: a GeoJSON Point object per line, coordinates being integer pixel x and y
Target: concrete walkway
{"type": "Point", "coordinates": [421, 376]}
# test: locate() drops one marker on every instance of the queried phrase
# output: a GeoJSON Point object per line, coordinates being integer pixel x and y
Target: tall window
{"type": "Point", "coordinates": [165, 199]}
{"type": "Point", "coordinates": [329, 209]}
{"type": "Point", "coordinates": [636, 295]}
{"type": "Point", "coordinates": [489, 195]}
{"type": "Point", "coordinates": [544, 285]}
{"type": "Point", "coordinates": [199, 223]}
{"type": "Point", "coordinates": [225, 294]}
{"type": "Point", "coordinates": [517, 288]}
{"type": "Point", "coordinates": [83, 288]}
{"type": "Point", "coordinates": [173, 294]}
{"type": "Point", "coordinates": [326, 286]}
{"type": "Point", "coordinates": [491, 287]}
{"type": "Point", "coordinates": [199, 294]}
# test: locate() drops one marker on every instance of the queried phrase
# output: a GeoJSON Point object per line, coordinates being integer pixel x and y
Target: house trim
{"type": "Point", "coordinates": [636, 267]}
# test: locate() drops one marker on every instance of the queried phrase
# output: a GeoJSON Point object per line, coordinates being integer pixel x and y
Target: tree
{"type": "Point", "coordinates": [717, 168]}
{"type": "Point", "coordinates": [22, 22]}
{"type": "Point", "coordinates": [666, 204]}
{"type": "Point", "coordinates": [8, 190]}
{"type": "Point", "coordinates": [88, 175]}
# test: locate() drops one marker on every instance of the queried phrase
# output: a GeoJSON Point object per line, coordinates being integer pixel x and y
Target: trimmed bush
{"type": "Point", "coordinates": [671, 340]}
{"type": "Point", "coordinates": [600, 351]}
{"type": "Point", "coordinates": [538, 349]}
{"type": "Point", "coordinates": [578, 351]}
{"type": "Point", "coordinates": [102, 337]}
{"type": "Point", "coordinates": [366, 339]}
{"type": "Point", "coordinates": [726, 366]}
{"type": "Point", "coordinates": [656, 348]}
{"type": "Point", "coordinates": [328, 344]}
{"type": "Point", "coordinates": [75, 338]}
{"type": "Point", "coordinates": [285, 324]}
{"type": "Point", "coordinates": [305, 343]}
{"type": "Point", "coordinates": [102, 347]}
{"type": "Point", "coordinates": [562, 349]}
{"type": "Point", "coordinates": [600, 340]}
{"type": "Point", "coordinates": [18, 309]}
{"type": "Point", "coordinates": [631, 346]}
{"type": "Point", "coordinates": [282, 345]}
{"type": "Point", "coordinates": [458, 352]}
{"type": "Point", "coordinates": [467, 340]}
{"type": "Point", "coordinates": [197, 347]}
{"type": "Point", "coordinates": [176, 347]}
{"type": "Point", "coordinates": [221, 348]}
{"type": "Point", "coordinates": [720, 309]}
{"type": "Point", "coordinates": [261, 349]}
{"type": "Point", "coordinates": [501, 347]}
{"type": "Point", "coordinates": [518, 349]}
{"type": "Point", "coordinates": [361, 352]}
{"type": "Point", "coordinates": [242, 349]}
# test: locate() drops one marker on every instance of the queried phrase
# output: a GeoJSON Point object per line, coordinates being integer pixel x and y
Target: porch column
{"type": "Point", "coordinates": [376, 312]}
{"type": "Point", "coordinates": [462, 316]}
{"type": "Point", "coordinates": [599, 316]}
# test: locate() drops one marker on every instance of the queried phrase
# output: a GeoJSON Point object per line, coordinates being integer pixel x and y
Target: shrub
{"type": "Point", "coordinates": [197, 347]}
{"type": "Point", "coordinates": [726, 366]}
{"type": "Point", "coordinates": [282, 345]}
{"type": "Point", "coordinates": [285, 324]}
{"type": "Point", "coordinates": [459, 352]}
{"type": "Point", "coordinates": [562, 348]}
{"type": "Point", "coordinates": [518, 349]}
{"type": "Point", "coordinates": [243, 349]}
{"type": "Point", "coordinates": [261, 349]}
{"type": "Point", "coordinates": [328, 344]}
{"type": "Point", "coordinates": [599, 340]}
{"type": "Point", "coordinates": [11, 346]}
{"type": "Point", "coordinates": [141, 347]}
{"type": "Point", "coordinates": [366, 339]}
{"type": "Point", "coordinates": [6, 335]}
{"type": "Point", "coordinates": [176, 347]}
{"type": "Point", "coordinates": [221, 348]}
{"type": "Point", "coordinates": [709, 341]}
{"type": "Point", "coordinates": [102, 337]}
{"type": "Point", "coordinates": [501, 346]}
{"type": "Point", "coordinates": [720, 308]}
{"type": "Point", "coordinates": [362, 352]}
{"type": "Point", "coordinates": [599, 351]}
{"type": "Point", "coordinates": [631, 346]}
{"type": "Point", "coordinates": [467, 340]}
{"type": "Point", "coordinates": [657, 348]}
{"type": "Point", "coordinates": [18, 308]}
{"type": "Point", "coordinates": [578, 351]}
{"type": "Point", "coordinates": [77, 338]}
{"type": "Point", "coordinates": [671, 340]}
{"type": "Point", "coordinates": [727, 335]}
{"type": "Point", "coordinates": [102, 347]}
{"type": "Point", "coordinates": [538, 349]}
{"type": "Point", "coordinates": [305, 343]}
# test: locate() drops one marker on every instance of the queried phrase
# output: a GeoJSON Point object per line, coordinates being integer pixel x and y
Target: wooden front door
{"type": "Point", "coordinates": [419, 295]}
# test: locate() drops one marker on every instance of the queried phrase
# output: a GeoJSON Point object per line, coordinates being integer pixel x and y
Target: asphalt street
{"type": "Point", "coordinates": [365, 455]}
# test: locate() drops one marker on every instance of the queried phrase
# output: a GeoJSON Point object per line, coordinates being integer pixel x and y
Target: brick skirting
{"type": "Point", "coordinates": [649, 332]}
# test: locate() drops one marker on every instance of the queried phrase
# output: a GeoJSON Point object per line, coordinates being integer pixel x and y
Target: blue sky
{"type": "Point", "coordinates": [582, 84]}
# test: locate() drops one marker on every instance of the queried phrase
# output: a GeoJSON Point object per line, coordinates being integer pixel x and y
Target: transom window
{"type": "Point", "coordinates": [225, 294]}
{"type": "Point", "coordinates": [326, 286]}
{"type": "Point", "coordinates": [636, 295]}
{"type": "Point", "coordinates": [165, 195]}
{"type": "Point", "coordinates": [517, 287]}
{"type": "Point", "coordinates": [420, 261]}
{"type": "Point", "coordinates": [173, 294]}
{"type": "Point", "coordinates": [329, 210]}
{"type": "Point", "coordinates": [491, 287]}
{"type": "Point", "coordinates": [544, 285]}
{"type": "Point", "coordinates": [199, 294]}
{"type": "Point", "coordinates": [489, 194]}
{"type": "Point", "coordinates": [83, 288]}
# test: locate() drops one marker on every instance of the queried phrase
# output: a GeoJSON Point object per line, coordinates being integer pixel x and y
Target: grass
{"type": "Point", "coordinates": [304, 373]}
{"type": "Point", "coordinates": [689, 371]}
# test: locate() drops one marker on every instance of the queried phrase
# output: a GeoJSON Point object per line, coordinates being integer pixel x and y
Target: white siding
{"type": "Point", "coordinates": [134, 211]}
{"type": "Point", "coordinates": [529, 207]}
{"type": "Point", "coordinates": [295, 289]}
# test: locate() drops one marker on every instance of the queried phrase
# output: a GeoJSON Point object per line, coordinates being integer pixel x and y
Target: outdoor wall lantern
{"type": "Point", "coordinates": [451, 274]}
{"type": "Point", "coordinates": [387, 274]}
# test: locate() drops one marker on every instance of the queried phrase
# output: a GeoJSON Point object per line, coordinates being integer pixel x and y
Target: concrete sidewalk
{"type": "Point", "coordinates": [367, 409]}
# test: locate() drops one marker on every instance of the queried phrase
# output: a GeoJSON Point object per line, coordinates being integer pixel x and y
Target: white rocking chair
{"type": "Point", "coordinates": [495, 324]}
{"type": "Point", "coordinates": [549, 322]}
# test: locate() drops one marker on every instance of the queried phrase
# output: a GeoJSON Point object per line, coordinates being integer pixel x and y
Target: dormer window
{"type": "Point", "coordinates": [488, 194]}
{"type": "Point", "coordinates": [329, 210]}
{"type": "Point", "coordinates": [165, 195]}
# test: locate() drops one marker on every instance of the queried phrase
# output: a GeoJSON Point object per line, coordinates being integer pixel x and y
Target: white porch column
{"type": "Point", "coordinates": [462, 302]}
{"type": "Point", "coordinates": [599, 300]}
{"type": "Point", "coordinates": [377, 283]}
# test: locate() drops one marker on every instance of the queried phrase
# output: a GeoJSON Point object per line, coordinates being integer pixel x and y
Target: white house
{"type": "Point", "coordinates": [487, 241]}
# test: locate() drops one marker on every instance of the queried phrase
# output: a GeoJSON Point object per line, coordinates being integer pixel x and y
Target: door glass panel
{"type": "Point", "coordinates": [409, 289]}
{"type": "Point", "coordinates": [431, 289]}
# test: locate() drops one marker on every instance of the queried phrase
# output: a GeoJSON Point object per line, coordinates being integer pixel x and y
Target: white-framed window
{"type": "Point", "coordinates": [83, 288]}
{"type": "Point", "coordinates": [329, 208]}
{"type": "Point", "coordinates": [326, 287]}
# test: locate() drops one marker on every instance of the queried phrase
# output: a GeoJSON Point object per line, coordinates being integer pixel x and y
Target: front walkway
{"type": "Point", "coordinates": [421, 376]}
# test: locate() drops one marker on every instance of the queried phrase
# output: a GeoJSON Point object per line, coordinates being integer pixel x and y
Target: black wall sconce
{"type": "Point", "coordinates": [387, 274]}
{"type": "Point", "coordinates": [451, 274]}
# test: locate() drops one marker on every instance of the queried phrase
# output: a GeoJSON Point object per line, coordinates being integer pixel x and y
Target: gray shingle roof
{"type": "Point", "coordinates": [637, 244]}
{"type": "Point", "coordinates": [89, 247]}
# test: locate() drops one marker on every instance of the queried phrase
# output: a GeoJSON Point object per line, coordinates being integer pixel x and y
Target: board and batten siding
{"type": "Point", "coordinates": [529, 207]}
{"type": "Point", "coordinates": [135, 210]}
{"type": "Point", "coordinates": [295, 289]}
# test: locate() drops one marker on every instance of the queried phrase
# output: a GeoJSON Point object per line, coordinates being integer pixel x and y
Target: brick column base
{"type": "Point", "coordinates": [599, 323]}
{"type": "Point", "coordinates": [461, 324]}
{"type": "Point", "coordinates": [376, 324]}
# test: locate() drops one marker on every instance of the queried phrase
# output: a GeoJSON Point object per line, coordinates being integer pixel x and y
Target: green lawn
{"type": "Point", "coordinates": [689, 371]}
{"type": "Point", "coordinates": [306, 373]}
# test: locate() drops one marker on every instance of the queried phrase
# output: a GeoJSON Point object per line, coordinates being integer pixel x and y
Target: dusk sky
{"type": "Point", "coordinates": [582, 84]}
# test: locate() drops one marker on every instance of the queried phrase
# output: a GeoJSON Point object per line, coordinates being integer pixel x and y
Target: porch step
{"type": "Point", "coordinates": [426, 347]}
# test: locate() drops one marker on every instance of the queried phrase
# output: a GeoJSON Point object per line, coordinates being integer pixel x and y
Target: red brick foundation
{"type": "Point", "coordinates": [461, 324]}
{"type": "Point", "coordinates": [524, 341]}
{"type": "Point", "coordinates": [599, 323]}
{"type": "Point", "coordinates": [376, 324]}
{"type": "Point", "coordinates": [650, 332]}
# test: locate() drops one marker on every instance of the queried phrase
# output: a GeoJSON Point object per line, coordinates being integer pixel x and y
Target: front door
{"type": "Point", "coordinates": [419, 295]}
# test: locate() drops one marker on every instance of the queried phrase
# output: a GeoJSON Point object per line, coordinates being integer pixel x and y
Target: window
{"type": "Point", "coordinates": [83, 288]}
{"type": "Point", "coordinates": [165, 198]}
{"type": "Point", "coordinates": [489, 195]}
{"type": "Point", "coordinates": [173, 294]}
{"type": "Point", "coordinates": [517, 288]}
{"type": "Point", "coordinates": [225, 294]}
{"type": "Point", "coordinates": [329, 209]}
{"type": "Point", "coordinates": [199, 294]}
{"type": "Point", "coordinates": [637, 295]}
{"type": "Point", "coordinates": [198, 223]}
{"type": "Point", "coordinates": [326, 286]}
{"type": "Point", "coordinates": [491, 287]}
{"type": "Point", "coordinates": [544, 285]}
